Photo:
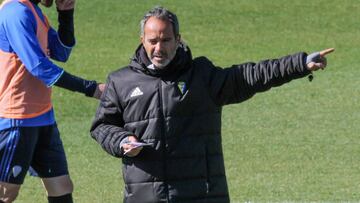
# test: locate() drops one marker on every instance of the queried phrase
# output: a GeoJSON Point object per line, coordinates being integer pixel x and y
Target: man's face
{"type": "Point", "coordinates": [159, 41]}
{"type": "Point", "coordinates": [46, 3]}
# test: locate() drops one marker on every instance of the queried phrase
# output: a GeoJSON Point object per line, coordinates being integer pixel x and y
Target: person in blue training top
{"type": "Point", "coordinates": [29, 137]}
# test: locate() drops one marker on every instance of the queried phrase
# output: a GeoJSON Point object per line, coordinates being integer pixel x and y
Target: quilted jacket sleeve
{"type": "Point", "coordinates": [240, 82]}
{"type": "Point", "coordinates": [107, 127]}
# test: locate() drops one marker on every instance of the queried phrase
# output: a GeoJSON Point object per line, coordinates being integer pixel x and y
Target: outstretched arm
{"type": "Point", "coordinates": [61, 43]}
{"type": "Point", "coordinates": [240, 82]}
{"type": "Point", "coordinates": [21, 30]}
{"type": "Point", "coordinates": [88, 87]}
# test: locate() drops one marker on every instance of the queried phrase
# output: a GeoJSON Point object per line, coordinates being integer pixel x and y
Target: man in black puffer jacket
{"type": "Point", "coordinates": [162, 113]}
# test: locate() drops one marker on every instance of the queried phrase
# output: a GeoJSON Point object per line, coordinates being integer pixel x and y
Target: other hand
{"type": "Point", "coordinates": [129, 149]}
{"type": "Point", "coordinates": [63, 5]}
{"type": "Point", "coordinates": [99, 90]}
{"type": "Point", "coordinates": [317, 60]}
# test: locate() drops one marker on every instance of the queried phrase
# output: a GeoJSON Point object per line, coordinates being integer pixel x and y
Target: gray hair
{"type": "Point", "coordinates": [163, 14]}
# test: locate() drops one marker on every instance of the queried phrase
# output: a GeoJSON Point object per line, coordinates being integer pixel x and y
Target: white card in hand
{"type": "Point", "coordinates": [139, 144]}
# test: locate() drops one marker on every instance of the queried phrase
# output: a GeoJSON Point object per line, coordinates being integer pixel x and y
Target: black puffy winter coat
{"type": "Point", "coordinates": [178, 111]}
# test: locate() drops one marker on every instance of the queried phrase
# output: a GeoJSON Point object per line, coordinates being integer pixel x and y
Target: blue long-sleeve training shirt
{"type": "Point", "coordinates": [18, 35]}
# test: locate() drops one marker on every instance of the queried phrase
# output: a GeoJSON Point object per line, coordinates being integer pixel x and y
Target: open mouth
{"type": "Point", "coordinates": [158, 57]}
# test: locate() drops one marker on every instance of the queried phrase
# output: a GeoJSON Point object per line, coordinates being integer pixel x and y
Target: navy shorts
{"type": "Point", "coordinates": [37, 147]}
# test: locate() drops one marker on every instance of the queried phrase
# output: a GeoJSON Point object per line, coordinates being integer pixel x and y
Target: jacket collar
{"type": "Point", "coordinates": [181, 61]}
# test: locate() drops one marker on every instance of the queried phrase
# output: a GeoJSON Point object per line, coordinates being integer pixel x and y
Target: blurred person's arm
{"type": "Point", "coordinates": [62, 41]}
{"type": "Point", "coordinates": [21, 35]}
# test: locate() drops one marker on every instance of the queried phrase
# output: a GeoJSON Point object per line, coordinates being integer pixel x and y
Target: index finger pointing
{"type": "Point", "coordinates": [326, 51]}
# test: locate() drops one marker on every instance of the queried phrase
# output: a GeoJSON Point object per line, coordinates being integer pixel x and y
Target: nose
{"type": "Point", "coordinates": [158, 46]}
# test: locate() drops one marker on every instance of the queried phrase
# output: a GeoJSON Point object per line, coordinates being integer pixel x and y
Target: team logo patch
{"type": "Point", "coordinates": [182, 87]}
{"type": "Point", "coordinates": [16, 170]}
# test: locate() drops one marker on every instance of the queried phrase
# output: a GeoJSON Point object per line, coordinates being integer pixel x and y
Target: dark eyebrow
{"type": "Point", "coordinates": [166, 39]}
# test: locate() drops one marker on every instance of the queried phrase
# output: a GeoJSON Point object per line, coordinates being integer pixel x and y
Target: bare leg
{"type": "Point", "coordinates": [58, 186]}
{"type": "Point", "coordinates": [8, 192]}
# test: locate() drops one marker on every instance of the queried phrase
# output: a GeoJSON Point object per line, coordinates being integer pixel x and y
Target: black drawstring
{"type": "Point", "coordinates": [311, 77]}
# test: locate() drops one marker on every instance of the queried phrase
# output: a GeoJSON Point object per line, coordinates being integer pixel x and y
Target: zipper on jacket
{"type": "Point", "coordinates": [207, 169]}
{"type": "Point", "coordinates": [163, 140]}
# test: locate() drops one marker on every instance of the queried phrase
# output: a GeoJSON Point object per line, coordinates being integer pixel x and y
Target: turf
{"type": "Point", "coordinates": [296, 143]}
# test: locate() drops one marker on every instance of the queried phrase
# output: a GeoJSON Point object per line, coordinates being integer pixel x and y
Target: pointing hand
{"type": "Point", "coordinates": [317, 60]}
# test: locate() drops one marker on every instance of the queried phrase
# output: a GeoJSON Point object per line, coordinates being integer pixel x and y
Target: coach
{"type": "Point", "coordinates": [173, 102]}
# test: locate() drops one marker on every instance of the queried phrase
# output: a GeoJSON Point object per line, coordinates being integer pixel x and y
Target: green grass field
{"type": "Point", "coordinates": [296, 143]}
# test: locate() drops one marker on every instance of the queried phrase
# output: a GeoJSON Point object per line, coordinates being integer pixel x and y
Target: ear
{"type": "Point", "coordinates": [142, 40]}
{"type": "Point", "coordinates": [178, 38]}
